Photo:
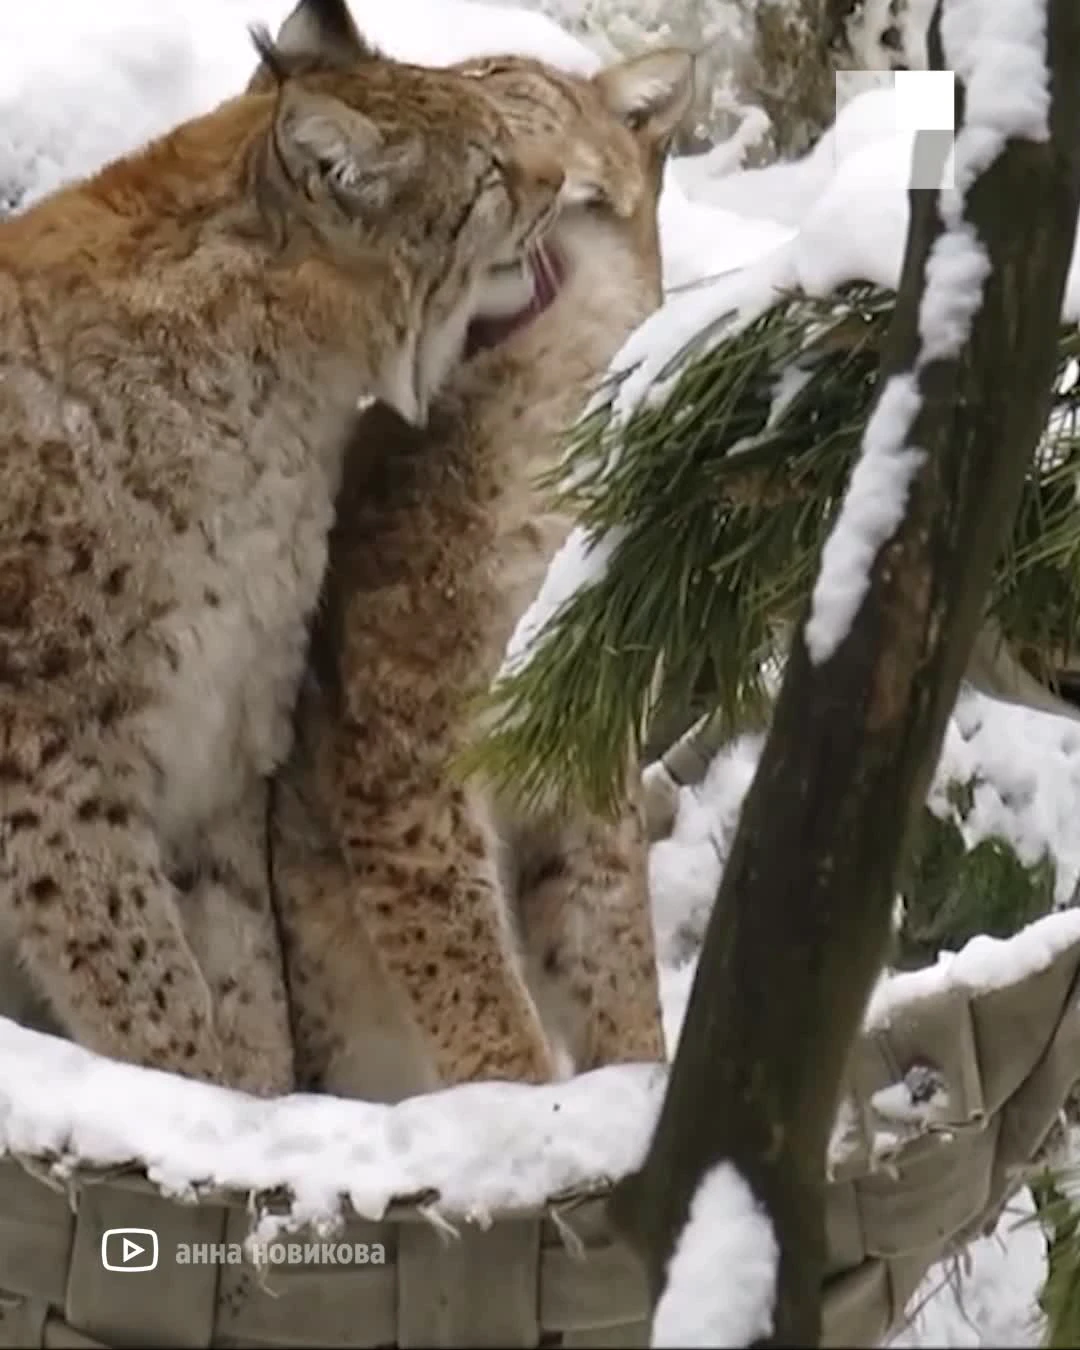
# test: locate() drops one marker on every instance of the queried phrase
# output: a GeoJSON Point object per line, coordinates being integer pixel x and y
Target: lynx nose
{"type": "Point", "coordinates": [546, 171]}
{"type": "Point", "coordinates": [536, 181]}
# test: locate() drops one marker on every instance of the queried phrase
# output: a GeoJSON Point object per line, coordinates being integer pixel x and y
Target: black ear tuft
{"type": "Point", "coordinates": [317, 35]}
{"type": "Point", "coordinates": [268, 54]}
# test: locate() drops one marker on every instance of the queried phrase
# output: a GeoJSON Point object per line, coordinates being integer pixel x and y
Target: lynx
{"type": "Point", "coordinates": [184, 340]}
{"type": "Point", "coordinates": [436, 934]}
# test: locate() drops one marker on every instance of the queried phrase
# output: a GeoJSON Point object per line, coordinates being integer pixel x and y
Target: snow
{"type": "Point", "coordinates": [872, 509]}
{"type": "Point", "coordinates": [786, 192]}
{"type": "Point", "coordinates": [491, 1147]}
{"type": "Point", "coordinates": [999, 51]}
{"type": "Point", "coordinates": [920, 1098]}
{"type": "Point", "coordinates": [902, 1112]}
{"type": "Point", "coordinates": [700, 241]}
{"type": "Point", "coordinates": [581, 560]}
{"type": "Point", "coordinates": [685, 868]}
{"type": "Point", "coordinates": [482, 1147]}
{"type": "Point", "coordinates": [956, 271]}
{"type": "Point", "coordinates": [721, 1279]}
{"type": "Point", "coordinates": [876, 177]}
{"type": "Point", "coordinates": [1025, 768]}
{"type": "Point", "coordinates": [713, 309]}
{"type": "Point", "coordinates": [80, 84]}
{"type": "Point", "coordinates": [988, 1297]}
{"type": "Point", "coordinates": [984, 964]}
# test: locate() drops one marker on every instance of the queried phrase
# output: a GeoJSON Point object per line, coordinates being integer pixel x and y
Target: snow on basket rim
{"type": "Point", "coordinates": [478, 1150]}
{"type": "Point", "coordinates": [984, 964]}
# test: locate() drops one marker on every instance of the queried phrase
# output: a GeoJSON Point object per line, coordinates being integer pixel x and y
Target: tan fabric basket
{"type": "Point", "coordinates": [1006, 1058]}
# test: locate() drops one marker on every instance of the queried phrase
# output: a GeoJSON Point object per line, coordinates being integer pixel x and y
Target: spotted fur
{"type": "Point", "coordinates": [436, 934]}
{"type": "Point", "coordinates": [184, 339]}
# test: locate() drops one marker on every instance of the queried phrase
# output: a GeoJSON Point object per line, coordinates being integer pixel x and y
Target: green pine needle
{"type": "Point", "coordinates": [1056, 1212]}
{"type": "Point", "coordinates": [720, 517]}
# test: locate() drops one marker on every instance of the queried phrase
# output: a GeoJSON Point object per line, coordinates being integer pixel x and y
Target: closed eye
{"type": "Point", "coordinates": [584, 193]}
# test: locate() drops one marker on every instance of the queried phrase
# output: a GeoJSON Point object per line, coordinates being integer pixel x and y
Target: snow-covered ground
{"type": "Point", "coordinates": [81, 83]}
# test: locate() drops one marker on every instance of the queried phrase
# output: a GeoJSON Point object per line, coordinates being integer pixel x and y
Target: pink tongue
{"type": "Point", "coordinates": [490, 332]}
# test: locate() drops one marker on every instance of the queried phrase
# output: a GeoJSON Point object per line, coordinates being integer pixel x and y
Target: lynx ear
{"type": "Point", "coordinates": [651, 93]}
{"type": "Point", "coordinates": [316, 34]}
{"type": "Point", "coordinates": [321, 28]}
{"type": "Point", "coordinates": [323, 140]}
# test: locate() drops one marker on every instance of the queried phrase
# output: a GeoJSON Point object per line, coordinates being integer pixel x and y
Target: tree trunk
{"type": "Point", "coordinates": [793, 76]}
{"type": "Point", "coordinates": [800, 926]}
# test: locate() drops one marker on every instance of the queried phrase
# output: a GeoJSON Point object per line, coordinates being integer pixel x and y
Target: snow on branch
{"type": "Point", "coordinates": [721, 1280]}
{"type": "Point", "coordinates": [997, 48]}
{"type": "Point", "coordinates": [806, 900]}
